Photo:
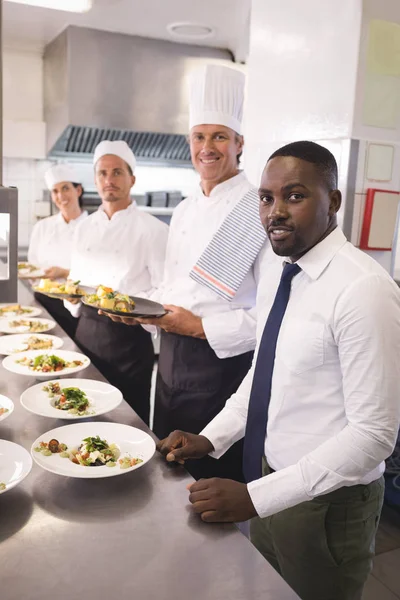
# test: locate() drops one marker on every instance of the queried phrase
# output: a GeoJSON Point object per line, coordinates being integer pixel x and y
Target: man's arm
{"type": "Point", "coordinates": [367, 332]}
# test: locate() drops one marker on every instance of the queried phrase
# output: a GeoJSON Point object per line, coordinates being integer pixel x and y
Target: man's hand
{"type": "Point", "coordinates": [180, 446]}
{"type": "Point", "coordinates": [221, 500]}
{"type": "Point", "coordinates": [118, 319]}
{"type": "Point", "coordinates": [56, 273]}
{"type": "Point", "coordinates": [178, 320]}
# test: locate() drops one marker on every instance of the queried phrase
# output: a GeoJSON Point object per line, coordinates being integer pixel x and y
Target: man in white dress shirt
{"type": "Point", "coordinates": [123, 248]}
{"type": "Point", "coordinates": [330, 400]}
{"type": "Point", "coordinates": [208, 337]}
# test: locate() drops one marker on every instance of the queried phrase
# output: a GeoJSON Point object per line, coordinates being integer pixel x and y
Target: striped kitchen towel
{"type": "Point", "coordinates": [232, 251]}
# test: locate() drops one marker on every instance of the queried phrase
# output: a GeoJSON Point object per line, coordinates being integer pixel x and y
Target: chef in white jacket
{"type": "Point", "coordinates": [212, 266]}
{"type": "Point", "coordinates": [123, 248]}
{"type": "Point", "coordinates": [51, 239]}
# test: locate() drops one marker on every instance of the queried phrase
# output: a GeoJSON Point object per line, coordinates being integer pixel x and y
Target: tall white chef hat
{"type": "Point", "coordinates": [58, 173]}
{"type": "Point", "coordinates": [118, 148]}
{"type": "Point", "coordinates": [216, 95]}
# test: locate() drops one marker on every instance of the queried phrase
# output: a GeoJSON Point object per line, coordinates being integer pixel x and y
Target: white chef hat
{"type": "Point", "coordinates": [58, 173]}
{"type": "Point", "coordinates": [118, 148]}
{"type": "Point", "coordinates": [216, 95]}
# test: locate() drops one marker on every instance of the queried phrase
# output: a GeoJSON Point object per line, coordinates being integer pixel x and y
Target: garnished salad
{"type": "Point", "coordinates": [3, 411]}
{"type": "Point", "coordinates": [93, 452]}
{"type": "Point", "coordinates": [34, 326]}
{"type": "Point", "coordinates": [24, 266]}
{"type": "Point", "coordinates": [108, 298]}
{"type": "Point", "coordinates": [48, 363]}
{"type": "Point", "coordinates": [2, 487]}
{"type": "Point", "coordinates": [71, 399]}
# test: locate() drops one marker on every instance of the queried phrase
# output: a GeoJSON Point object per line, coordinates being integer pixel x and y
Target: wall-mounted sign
{"type": "Point", "coordinates": [380, 219]}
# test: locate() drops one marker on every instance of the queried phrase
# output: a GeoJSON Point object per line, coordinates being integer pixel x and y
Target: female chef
{"type": "Point", "coordinates": [51, 238]}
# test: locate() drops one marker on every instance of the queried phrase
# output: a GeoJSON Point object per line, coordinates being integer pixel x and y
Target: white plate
{"type": "Point", "coordinates": [10, 344]}
{"type": "Point", "coordinates": [37, 273]}
{"type": "Point", "coordinates": [5, 324]}
{"type": "Point", "coordinates": [15, 464]}
{"type": "Point", "coordinates": [103, 397]}
{"type": "Point", "coordinates": [33, 312]}
{"type": "Point", "coordinates": [10, 363]}
{"type": "Point", "coordinates": [131, 441]}
{"type": "Point", "coordinates": [6, 403]}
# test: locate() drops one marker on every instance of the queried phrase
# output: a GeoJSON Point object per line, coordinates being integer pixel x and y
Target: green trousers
{"type": "Point", "coordinates": [324, 548]}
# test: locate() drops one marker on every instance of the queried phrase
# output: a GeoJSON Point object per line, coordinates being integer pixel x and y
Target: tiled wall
{"type": "Point", "coordinates": [28, 176]}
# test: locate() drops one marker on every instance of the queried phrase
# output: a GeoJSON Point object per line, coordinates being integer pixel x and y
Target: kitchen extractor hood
{"type": "Point", "coordinates": [100, 85]}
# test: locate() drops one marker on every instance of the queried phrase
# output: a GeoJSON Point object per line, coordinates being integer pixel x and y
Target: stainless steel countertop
{"type": "Point", "coordinates": [130, 537]}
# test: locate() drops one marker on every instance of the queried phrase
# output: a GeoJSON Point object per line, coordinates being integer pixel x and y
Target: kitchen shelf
{"type": "Point", "coordinates": [157, 210]}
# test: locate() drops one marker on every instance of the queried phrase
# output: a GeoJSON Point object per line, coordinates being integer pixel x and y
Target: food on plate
{"type": "Point", "coordinates": [35, 343]}
{"type": "Point", "coordinates": [92, 452]}
{"type": "Point", "coordinates": [34, 326]}
{"type": "Point", "coordinates": [48, 363]}
{"type": "Point", "coordinates": [3, 411]}
{"type": "Point", "coordinates": [15, 309]}
{"type": "Point", "coordinates": [70, 399]}
{"type": "Point", "coordinates": [2, 487]}
{"type": "Point", "coordinates": [52, 447]}
{"type": "Point", "coordinates": [55, 287]}
{"type": "Point", "coordinates": [107, 298]}
{"type": "Point", "coordinates": [24, 266]}
{"type": "Point", "coordinates": [95, 452]}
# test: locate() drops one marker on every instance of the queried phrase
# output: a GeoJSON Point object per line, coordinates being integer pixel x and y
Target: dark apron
{"type": "Point", "coordinates": [192, 388]}
{"type": "Point", "coordinates": [57, 310]}
{"type": "Point", "coordinates": [123, 354]}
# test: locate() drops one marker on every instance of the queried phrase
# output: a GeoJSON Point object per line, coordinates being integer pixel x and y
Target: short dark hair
{"type": "Point", "coordinates": [319, 156]}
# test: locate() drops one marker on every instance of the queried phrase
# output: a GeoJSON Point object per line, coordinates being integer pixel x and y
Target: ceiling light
{"type": "Point", "coordinates": [67, 5]}
{"type": "Point", "coordinates": [190, 30]}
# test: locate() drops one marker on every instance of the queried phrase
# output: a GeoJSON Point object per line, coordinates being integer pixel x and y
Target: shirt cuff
{"type": "Point", "coordinates": [227, 338]}
{"type": "Point", "coordinates": [74, 309]}
{"type": "Point", "coordinates": [153, 329]}
{"type": "Point", "coordinates": [223, 431]}
{"type": "Point", "coordinates": [277, 491]}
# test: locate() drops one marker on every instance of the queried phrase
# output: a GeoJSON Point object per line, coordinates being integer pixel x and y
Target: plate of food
{"type": "Point", "coordinates": [29, 271]}
{"type": "Point", "coordinates": [24, 325]}
{"type": "Point", "coordinates": [37, 363]}
{"type": "Point", "coordinates": [15, 465]}
{"type": "Point", "coordinates": [16, 310]}
{"type": "Point", "coordinates": [22, 342]}
{"type": "Point", "coordinates": [115, 303]}
{"type": "Point", "coordinates": [93, 450]}
{"type": "Point", "coordinates": [71, 398]}
{"type": "Point", "coordinates": [6, 407]}
{"type": "Point", "coordinates": [61, 290]}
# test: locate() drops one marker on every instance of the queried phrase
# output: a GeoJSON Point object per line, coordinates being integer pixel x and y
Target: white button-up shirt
{"type": "Point", "coordinates": [335, 398]}
{"type": "Point", "coordinates": [126, 252]}
{"type": "Point", "coordinates": [230, 327]}
{"type": "Point", "coordinates": [51, 241]}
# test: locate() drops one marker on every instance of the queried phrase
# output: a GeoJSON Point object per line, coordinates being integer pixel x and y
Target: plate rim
{"type": "Point", "coordinates": [11, 335]}
{"type": "Point", "coordinates": [130, 314]}
{"type": "Point", "coordinates": [10, 411]}
{"type": "Point", "coordinates": [70, 419]}
{"type": "Point", "coordinates": [39, 375]}
{"type": "Point", "coordinates": [18, 481]}
{"type": "Point", "coordinates": [112, 472]}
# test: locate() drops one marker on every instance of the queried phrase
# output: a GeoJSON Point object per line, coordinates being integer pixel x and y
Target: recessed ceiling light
{"type": "Point", "coordinates": [67, 5]}
{"type": "Point", "coordinates": [190, 30]}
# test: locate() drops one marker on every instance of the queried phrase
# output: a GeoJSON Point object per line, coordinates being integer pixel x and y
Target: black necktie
{"type": "Point", "coordinates": [260, 396]}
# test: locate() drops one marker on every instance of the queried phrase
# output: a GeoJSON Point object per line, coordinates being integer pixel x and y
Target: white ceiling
{"type": "Point", "coordinates": [28, 27]}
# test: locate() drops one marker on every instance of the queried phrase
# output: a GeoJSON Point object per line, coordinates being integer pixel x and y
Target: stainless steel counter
{"type": "Point", "coordinates": [129, 537]}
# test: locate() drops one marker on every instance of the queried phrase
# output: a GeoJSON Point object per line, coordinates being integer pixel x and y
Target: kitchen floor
{"type": "Point", "coordinates": [384, 582]}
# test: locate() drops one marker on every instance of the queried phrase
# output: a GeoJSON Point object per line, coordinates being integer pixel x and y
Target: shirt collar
{"type": "Point", "coordinates": [61, 219]}
{"type": "Point", "coordinates": [119, 214]}
{"type": "Point", "coordinates": [315, 261]}
{"type": "Point", "coordinates": [225, 186]}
